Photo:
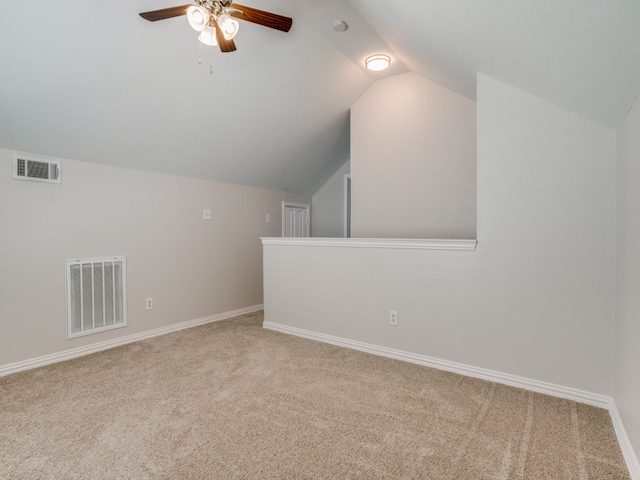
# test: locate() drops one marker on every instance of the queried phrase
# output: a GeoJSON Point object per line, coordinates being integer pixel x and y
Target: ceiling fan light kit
{"type": "Point", "coordinates": [378, 62]}
{"type": "Point", "coordinates": [228, 25]}
{"type": "Point", "coordinates": [216, 20]}
{"type": "Point", "coordinates": [198, 17]}
{"type": "Point", "coordinates": [208, 36]}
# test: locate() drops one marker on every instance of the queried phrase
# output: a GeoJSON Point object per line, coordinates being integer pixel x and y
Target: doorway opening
{"type": "Point", "coordinates": [295, 219]}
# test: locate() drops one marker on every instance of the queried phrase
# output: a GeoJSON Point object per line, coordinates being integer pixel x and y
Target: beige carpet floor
{"type": "Point", "coordinates": [232, 400]}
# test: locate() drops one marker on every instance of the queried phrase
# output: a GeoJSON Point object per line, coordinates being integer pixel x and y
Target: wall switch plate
{"type": "Point", "coordinates": [206, 214]}
{"type": "Point", "coordinates": [149, 304]}
{"type": "Point", "coordinates": [268, 218]}
{"type": "Point", "coordinates": [393, 318]}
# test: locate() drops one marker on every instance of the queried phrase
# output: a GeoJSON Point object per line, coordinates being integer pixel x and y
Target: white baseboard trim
{"type": "Point", "coordinates": [468, 370]}
{"type": "Point", "coordinates": [568, 393]}
{"type": "Point", "coordinates": [627, 450]}
{"type": "Point", "coordinates": [116, 342]}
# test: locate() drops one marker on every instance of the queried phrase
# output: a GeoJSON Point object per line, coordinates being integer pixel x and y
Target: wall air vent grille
{"type": "Point", "coordinates": [96, 295]}
{"type": "Point", "coordinates": [36, 170]}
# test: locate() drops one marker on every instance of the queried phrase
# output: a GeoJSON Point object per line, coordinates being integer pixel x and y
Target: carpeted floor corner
{"type": "Point", "coordinates": [230, 400]}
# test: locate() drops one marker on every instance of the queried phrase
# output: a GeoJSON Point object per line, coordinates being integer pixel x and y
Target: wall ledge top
{"type": "Point", "coordinates": [398, 243]}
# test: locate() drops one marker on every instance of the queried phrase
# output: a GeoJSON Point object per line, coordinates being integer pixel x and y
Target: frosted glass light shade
{"type": "Point", "coordinates": [228, 25]}
{"type": "Point", "coordinates": [378, 62]}
{"type": "Point", "coordinates": [208, 36]}
{"type": "Point", "coordinates": [198, 17]}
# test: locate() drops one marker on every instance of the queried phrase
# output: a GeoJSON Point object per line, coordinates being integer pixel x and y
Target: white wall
{"type": "Point", "coordinates": [536, 299]}
{"type": "Point", "coordinates": [627, 327]}
{"type": "Point", "coordinates": [327, 209]}
{"type": "Point", "coordinates": [192, 268]}
{"type": "Point", "coordinates": [413, 161]}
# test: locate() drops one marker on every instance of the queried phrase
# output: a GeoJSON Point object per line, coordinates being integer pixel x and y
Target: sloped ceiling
{"type": "Point", "coordinates": [93, 81]}
{"type": "Point", "coordinates": [583, 55]}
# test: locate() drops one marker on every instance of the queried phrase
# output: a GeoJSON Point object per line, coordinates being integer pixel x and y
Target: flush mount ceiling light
{"type": "Point", "coordinates": [215, 20]}
{"type": "Point", "coordinates": [378, 62]}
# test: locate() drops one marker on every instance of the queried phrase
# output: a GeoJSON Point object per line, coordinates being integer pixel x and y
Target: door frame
{"type": "Point", "coordinates": [307, 207]}
{"type": "Point", "coordinates": [346, 204]}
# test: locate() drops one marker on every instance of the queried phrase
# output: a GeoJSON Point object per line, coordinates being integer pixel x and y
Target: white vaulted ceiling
{"type": "Point", "coordinates": [583, 55]}
{"type": "Point", "coordinates": [93, 81]}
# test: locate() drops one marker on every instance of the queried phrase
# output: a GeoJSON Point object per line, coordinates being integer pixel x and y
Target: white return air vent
{"type": "Point", "coordinates": [36, 170]}
{"type": "Point", "coordinates": [96, 295]}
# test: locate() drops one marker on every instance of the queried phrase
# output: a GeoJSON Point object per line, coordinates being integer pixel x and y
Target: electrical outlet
{"type": "Point", "coordinates": [149, 304]}
{"type": "Point", "coordinates": [268, 218]}
{"type": "Point", "coordinates": [393, 318]}
{"type": "Point", "coordinates": [206, 214]}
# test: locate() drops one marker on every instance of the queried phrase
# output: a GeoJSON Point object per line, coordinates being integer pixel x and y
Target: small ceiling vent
{"type": "Point", "coordinates": [36, 170]}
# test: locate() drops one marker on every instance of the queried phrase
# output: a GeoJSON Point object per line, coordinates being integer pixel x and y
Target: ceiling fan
{"type": "Point", "coordinates": [215, 20]}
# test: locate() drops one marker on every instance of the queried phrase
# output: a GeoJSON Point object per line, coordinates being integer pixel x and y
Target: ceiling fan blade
{"type": "Point", "coordinates": [225, 45]}
{"type": "Point", "coordinates": [266, 19]}
{"type": "Point", "coordinates": [156, 15]}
